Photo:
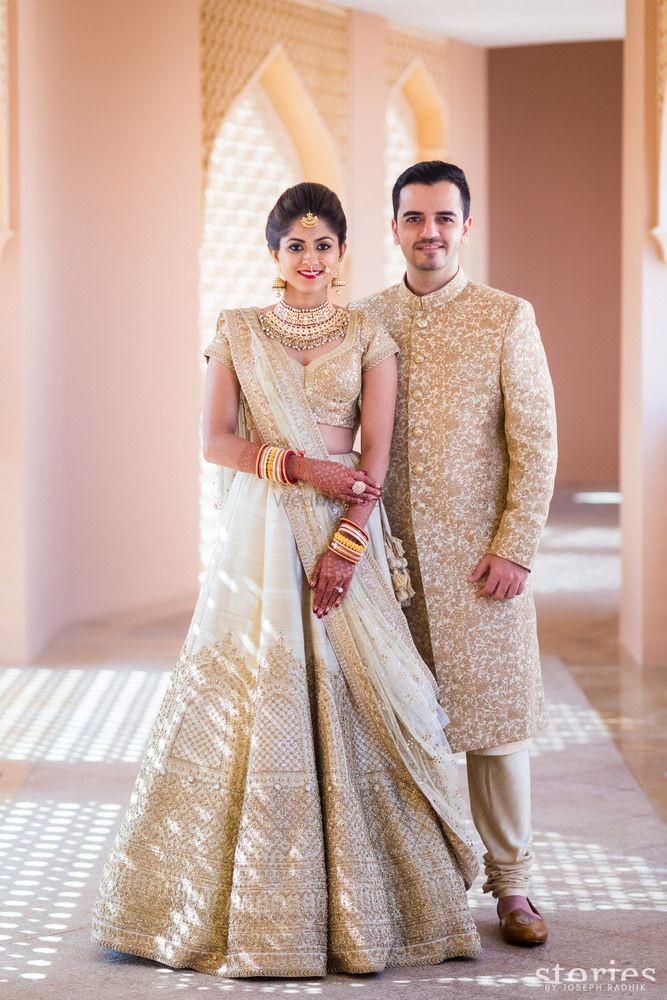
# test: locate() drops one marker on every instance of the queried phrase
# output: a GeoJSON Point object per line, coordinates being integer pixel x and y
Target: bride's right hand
{"type": "Point", "coordinates": [335, 480]}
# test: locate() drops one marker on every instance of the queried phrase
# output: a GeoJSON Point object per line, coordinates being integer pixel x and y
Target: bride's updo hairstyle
{"type": "Point", "coordinates": [296, 202]}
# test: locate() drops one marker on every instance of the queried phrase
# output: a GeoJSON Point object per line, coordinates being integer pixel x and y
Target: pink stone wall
{"type": "Point", "coordinates": [13, 584]}
{"type": "Point", "coordinates": [469, 144]}
{"type": "Point", "coordinates": [643, 623]}
{"type": "Point", "coordinates": [109, 182]}
{"type": "Point", "coordinates": [99, 296]}
{"type": "Point", "coordinates": [555, 190]}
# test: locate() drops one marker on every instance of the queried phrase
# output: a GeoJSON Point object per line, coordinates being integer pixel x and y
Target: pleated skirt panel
{"type": "Point", "coordinates": [269, 833]}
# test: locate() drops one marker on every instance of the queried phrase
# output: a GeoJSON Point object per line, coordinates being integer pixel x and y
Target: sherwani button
{"type": "Point", "coordinates": [418, 469]}
{"type": "Point", "coordinates": [422, 323]}
{"type": "Point", "coordinates": [419, 506]}
{"type": "Point", "coordinates": [419, 359]}
{"type": "Point", "coordinates": [417, 394]}
{"type": "Point", "coordinates": [418, 432]}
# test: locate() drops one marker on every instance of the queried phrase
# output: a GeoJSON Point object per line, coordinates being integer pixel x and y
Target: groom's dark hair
{"type": "Point", "coordinates": [432, 172]}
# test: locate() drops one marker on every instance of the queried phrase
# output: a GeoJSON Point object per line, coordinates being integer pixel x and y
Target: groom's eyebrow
{"type": "Point", "coordinates": [416, 211]}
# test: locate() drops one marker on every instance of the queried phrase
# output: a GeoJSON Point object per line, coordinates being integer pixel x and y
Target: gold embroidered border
{"type": "Point", "coordinates": [301, 510]}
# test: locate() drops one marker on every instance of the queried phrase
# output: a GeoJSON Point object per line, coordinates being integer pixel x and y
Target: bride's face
{"type": "Point", "coordinates": [309, 258]}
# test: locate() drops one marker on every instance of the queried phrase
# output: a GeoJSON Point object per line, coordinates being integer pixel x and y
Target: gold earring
{"type": "Point", "coordinates": [338, 282]}
{"type": "Point", "coordinates": [279, 284]}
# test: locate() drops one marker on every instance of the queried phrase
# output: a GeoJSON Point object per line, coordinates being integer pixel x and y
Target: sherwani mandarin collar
{"type": "Point", "coordinates": [440, 297]}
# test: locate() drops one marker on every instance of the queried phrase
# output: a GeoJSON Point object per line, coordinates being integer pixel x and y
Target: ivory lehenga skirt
{"type": "Point", "coordinates": [269, 833]}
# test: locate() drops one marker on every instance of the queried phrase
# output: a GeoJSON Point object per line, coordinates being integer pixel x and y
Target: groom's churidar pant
{"type": "Point", "coordinates": [499, 785]}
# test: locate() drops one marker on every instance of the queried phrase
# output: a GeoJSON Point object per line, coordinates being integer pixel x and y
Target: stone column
{"type": "Point", "coordinates": [643, 627]}
{"type": "Point", "coordinates": [368, 215]}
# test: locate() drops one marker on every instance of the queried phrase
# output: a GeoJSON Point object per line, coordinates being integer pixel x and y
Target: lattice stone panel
{"type": "Point", "coordinates": [400, 152]}
{"type": "Point", "coordinates": [238, 35]}
{"type": "Point", "coordinates": [252, 161]}
{"type": "Point", "coordinates": [404, 47]}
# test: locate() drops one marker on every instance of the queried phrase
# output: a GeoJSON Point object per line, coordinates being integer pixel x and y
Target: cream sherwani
{"type": "Point", "coordinates": [471, 472]}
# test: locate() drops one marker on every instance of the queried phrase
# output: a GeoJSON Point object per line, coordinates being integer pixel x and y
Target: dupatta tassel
{"type": "Point", "coordinates": [398, 564]}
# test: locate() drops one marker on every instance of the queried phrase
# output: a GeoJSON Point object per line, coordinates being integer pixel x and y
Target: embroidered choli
{"type": "Point", "coordinates": [332, 382]}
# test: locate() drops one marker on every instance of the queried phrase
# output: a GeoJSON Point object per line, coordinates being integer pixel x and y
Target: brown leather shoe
{"type": "Point", "coordinates": [518, 927]}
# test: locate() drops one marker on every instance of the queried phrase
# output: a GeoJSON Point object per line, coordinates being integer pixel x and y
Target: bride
{"type": "Point", "coordinates": [296, 811]}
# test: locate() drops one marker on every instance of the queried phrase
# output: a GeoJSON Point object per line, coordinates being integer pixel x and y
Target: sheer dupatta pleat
{"type": "Point", "coordinates": [389, 681]}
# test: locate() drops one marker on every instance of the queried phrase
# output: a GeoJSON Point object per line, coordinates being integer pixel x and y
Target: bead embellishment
{"type": "Point", "coordinates": [302, 329]}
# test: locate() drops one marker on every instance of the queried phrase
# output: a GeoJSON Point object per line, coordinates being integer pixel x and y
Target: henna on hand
{"type": "Point", "coordinates": [248, 457]}
{"type": "Point", "coordinates": [335, 480]}
{"type": "Point", "coordinates": [330, 580]}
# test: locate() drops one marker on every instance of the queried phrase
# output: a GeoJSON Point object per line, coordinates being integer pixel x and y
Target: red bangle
{"type": "Point", "coordinates": [354, 527]}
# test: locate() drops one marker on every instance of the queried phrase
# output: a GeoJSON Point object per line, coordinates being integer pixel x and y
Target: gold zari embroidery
{"type": "Point", "coordinates": [471, 471]}
{"type": "Point", "coordinates": [293, 814]}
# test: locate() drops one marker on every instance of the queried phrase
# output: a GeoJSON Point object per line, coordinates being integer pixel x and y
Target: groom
{"type": "Point", "coordinates": [468, 490]}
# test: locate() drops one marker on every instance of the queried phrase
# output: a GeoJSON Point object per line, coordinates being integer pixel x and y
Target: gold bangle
{"type": "Point", "coordinates": [354, 525]}
{"type": "Point", "coordinates": [344, 554]}
{"type": "Point", "coordinates": [361, 539]}
{"type": "Point", "coordinates": [348, 542]}
{"type": "Point", "coordinates": [345, 548]}
{"type": "Point", "coordinates": [265, 462]}
{"type": "Point", "coordinates": [271, 464]}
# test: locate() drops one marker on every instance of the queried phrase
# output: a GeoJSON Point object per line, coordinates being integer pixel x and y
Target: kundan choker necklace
{"type": "Point", "coordinates": [304, 328]}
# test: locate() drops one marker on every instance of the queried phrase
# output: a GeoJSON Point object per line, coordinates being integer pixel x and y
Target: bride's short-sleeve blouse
{"type": "Point", "coordinates": [333, 381]}
{"type": "Point", "coordinates": [219, 347]}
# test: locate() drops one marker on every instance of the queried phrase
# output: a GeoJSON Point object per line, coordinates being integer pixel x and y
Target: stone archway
{"type": "Point", "coordinates": [429, 110]}
{"type": "Point", "coordinates": [272, 136]}
{"type": "Point", "coordinates": [416, 127]}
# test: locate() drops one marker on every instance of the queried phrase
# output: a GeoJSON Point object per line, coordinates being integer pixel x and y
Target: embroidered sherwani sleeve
{"type": "Point", "coordinates": [530, 433]}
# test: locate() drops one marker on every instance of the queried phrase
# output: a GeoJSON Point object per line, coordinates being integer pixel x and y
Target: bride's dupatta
{"type": "Point", "coordinates": [368, 632]}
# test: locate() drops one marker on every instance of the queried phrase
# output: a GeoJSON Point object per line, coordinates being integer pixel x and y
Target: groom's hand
{"type": "Point", "coordinates": [504, 579]}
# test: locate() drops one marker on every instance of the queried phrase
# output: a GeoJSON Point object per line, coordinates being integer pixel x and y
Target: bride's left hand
{"type": "Point", "coordinates": [330, 580]}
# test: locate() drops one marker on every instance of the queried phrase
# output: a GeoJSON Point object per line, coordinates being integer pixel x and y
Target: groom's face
{"type": "Point", "coordinates": [429, 226]}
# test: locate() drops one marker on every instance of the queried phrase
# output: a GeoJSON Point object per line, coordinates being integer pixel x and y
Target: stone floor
{"type": "Point", "coordinates": [72, 729]}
